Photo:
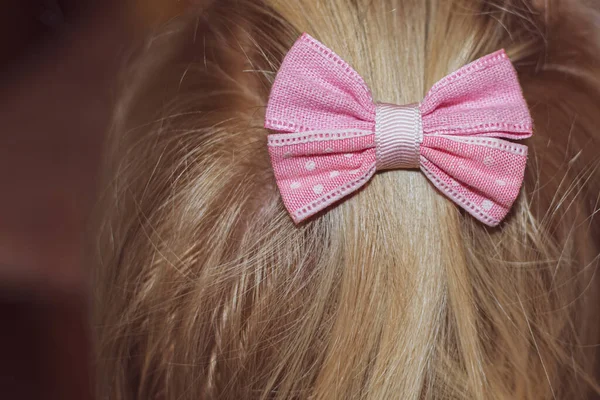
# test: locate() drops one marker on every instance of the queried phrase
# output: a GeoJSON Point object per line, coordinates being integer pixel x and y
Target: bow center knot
{"type": "Point", "coordinates": [398, 136]}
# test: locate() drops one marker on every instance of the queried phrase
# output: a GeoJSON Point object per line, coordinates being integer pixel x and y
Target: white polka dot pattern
{"type": "Point", "coordinates": [487, 205]}
{"type": "Point", "coordinates": [489, 161]}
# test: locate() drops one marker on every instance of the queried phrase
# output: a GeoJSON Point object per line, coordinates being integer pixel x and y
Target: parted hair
{"type": "Point", "coordinates": [206, 289]}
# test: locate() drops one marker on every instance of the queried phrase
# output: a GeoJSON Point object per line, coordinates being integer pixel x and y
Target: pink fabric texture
{"type": "Point", "coordinates": [334, 137]}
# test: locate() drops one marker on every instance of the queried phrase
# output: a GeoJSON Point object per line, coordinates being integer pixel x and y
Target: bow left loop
{"type": "Point", "coordinates": [316, 90]}
{"type": "Point", "coordinates": [330, 110]}
{"type": "Point", "coordinates": [316, 169]}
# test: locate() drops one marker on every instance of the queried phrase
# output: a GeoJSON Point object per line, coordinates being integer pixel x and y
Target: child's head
{"type": "Point", "coordinates": [207, 289]}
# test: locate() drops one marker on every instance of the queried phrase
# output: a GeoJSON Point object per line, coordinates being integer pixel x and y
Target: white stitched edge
{"type": "Point", "coordinates": [475, 66]}
{"type": "Point", "coordinates": [332, 196]}
{"type": "Point", "coordinates": [288, 139]}
{"type": "Point", "coordinates": [491, 142]}
{"type": "Point", "coordinates": [331, 55]}
{"type": "Point", "coordinates": [419, 117]}
{"type": "Point", "coordinates": [486, 127]}
{"type": "Point", "coordinates": [473, 209]}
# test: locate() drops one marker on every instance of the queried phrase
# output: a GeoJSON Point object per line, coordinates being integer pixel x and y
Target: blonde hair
{"type": "Point", "coordinates": [206, 289]}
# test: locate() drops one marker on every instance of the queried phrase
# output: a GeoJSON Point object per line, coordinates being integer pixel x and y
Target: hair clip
{"type": "Point", "coordinates": [334, 137]}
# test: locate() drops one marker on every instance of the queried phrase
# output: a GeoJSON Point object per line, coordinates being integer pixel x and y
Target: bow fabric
{"type": "Point", "coordinates": [334, 137]}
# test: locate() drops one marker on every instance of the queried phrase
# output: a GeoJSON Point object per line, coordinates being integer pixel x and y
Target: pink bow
{"type": "Point", "coordinates": [335, 137]}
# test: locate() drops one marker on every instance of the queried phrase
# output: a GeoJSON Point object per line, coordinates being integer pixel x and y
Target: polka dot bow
{"type": "Point", "coordinates": [334, 137]}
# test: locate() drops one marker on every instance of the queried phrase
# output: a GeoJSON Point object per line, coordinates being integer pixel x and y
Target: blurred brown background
{"type": "Point", "coordinates": [58, 62]}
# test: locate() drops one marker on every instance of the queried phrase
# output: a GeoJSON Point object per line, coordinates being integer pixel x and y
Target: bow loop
{"type": "Point", "coordinates": [315, 169]}
{"type": "Point", "coordinates": [482, 98]}
{"type": "Point", "coordinates": [315, 90]}
{"type": "Point", "coordinates": [482, 174]}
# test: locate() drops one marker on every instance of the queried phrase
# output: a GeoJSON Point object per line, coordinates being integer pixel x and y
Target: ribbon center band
{"type": "Point", "coordinates": [398, 136]}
